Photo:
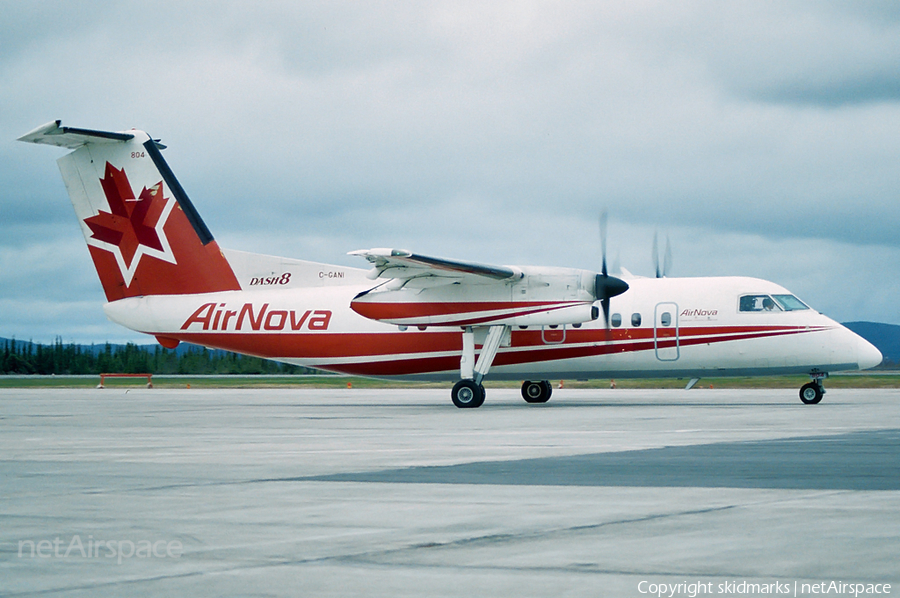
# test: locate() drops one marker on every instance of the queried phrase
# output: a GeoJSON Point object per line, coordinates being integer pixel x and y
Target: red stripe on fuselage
{"type": "Point", "coordinates": [405, 311]}
{"type": "Point", "coordinates": [413, 352]}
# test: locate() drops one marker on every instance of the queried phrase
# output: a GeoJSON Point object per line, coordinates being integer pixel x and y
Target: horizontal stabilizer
{"type": "Point", "coordinates": [54, 134]}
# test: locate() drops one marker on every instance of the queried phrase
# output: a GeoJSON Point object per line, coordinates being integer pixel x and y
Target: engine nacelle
{"type": "Point", "coordinates": [539, 297]}
{"type": "Point", "coordinates": [477, 314]}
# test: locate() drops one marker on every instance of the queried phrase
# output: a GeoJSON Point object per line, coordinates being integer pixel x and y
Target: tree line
{"type": "Point", "coordinates": [60, 359]}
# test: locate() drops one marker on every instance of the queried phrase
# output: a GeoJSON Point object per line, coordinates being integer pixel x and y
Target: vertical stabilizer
{"type": "Point", "coordinates": [143, 233]}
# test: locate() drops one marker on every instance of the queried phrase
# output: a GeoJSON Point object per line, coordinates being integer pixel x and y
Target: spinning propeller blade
{"type": "Point", "coordinates": [606, 286]}
{"type": "Point", "coordinates": [667, 258]}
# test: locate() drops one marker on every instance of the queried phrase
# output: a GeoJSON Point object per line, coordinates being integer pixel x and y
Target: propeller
{"type": "Point", "coordinates": [667, 258]}
{"type": "Point", "coordinates": [606, 286]}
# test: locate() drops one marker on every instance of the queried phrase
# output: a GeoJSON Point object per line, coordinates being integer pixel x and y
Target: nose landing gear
{"type": "Point", "coordinates": [812, 392]}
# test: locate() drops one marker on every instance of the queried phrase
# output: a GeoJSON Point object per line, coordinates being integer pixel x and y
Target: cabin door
{"type": "Point", "coordinates": [665, 332]}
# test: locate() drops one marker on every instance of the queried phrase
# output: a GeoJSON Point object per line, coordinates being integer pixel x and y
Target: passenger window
{"type": "Point", "coordinates": [616, 320]}
{"type": "Point", "coordinates": [665, 319]}
{"type": "Point", "coordinates": [635, 320]}
{"type": "Point", "coordinates": [758, 303]}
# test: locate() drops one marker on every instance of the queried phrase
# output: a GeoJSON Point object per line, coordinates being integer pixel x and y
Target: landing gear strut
{"type": "Point", "coordinates": [812, 392]}
{"type": "Point", "coordinates": [468, 392]}
{"type": "Point", "coordinates": [536, 392]}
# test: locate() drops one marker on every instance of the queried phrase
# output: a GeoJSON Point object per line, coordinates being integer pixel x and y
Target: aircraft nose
{"type": "Point", "coordinates": [867, 355]}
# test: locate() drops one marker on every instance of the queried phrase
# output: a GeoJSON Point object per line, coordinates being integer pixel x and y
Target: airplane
{"type": "Point", "coordinates": [416, 317]}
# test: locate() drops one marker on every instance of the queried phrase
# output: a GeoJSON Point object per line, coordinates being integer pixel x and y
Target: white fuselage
{"type": "Point", "coordinates": [678, 327]}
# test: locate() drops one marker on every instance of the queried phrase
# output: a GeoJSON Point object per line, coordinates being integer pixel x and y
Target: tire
{"type": "Point", "coordinates": [548, 390]}
{"type": "Point", "coordinates": [467, 395]}
{"type": "Point", "coordinates": [810, 393]}
{"type": "Point", "coordinates": [536, 392]}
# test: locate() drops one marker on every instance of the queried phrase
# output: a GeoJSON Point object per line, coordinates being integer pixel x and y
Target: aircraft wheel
{"type": "Point", "coordinates": [536, 392]}
{"type": "Point", "coordinates": [466, 394]}
{"type": "Point", "coordinates": [811, 393]}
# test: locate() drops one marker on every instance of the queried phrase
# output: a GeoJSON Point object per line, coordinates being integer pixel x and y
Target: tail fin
{"type": "Point", "coordinates": [143, 232]}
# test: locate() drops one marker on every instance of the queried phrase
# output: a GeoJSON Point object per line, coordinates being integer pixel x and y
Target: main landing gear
{"type": "Point", "coordinates": [468, 393]}
{"type": "Point", "coordinates": [536, 392]}
{"type": "Point", "coordinates": [812, 392]}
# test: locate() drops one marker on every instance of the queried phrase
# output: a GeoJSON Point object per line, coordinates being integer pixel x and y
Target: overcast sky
{"type": "Point", "coordinates": [761, 137]}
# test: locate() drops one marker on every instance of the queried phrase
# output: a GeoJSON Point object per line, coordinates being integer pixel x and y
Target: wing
{"type": "Point", "coordinates": [414, 270]}
{"type": "Point", "coordinates": [423, 291]}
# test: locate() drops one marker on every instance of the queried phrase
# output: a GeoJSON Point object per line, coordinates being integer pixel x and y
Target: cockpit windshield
{"type": "Point", "coordinates": [756, 303]}
{"type": "Point", "coordinates": [790, 303]}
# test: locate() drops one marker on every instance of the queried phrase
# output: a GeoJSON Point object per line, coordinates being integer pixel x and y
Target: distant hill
{"type": "Point", "coordinates": [886, 337]}
{"type": "Point", "coordinates": [97, 348]}
{"type": "Point", "coordinates": [26, 357]}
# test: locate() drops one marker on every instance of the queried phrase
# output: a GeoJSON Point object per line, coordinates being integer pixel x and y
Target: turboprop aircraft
{"type": "Point", "coordinates": [417, 317]}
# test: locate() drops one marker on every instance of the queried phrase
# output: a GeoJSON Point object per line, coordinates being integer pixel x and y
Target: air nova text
{"type": "Point", "coordinates": [216, 316]}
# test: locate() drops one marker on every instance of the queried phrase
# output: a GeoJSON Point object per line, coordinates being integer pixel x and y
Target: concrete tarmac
{"type": "Point", "coordinates": [277, 492]}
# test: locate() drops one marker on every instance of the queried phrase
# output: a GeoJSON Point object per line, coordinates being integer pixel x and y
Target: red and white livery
{"type": "Point", "coordinates": [417, 317]}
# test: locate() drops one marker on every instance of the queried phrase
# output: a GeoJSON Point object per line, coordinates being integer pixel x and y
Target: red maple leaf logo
{"type": "Point", "coordinates": [131, 221]}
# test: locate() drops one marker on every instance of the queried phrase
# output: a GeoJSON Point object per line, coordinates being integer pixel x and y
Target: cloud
{"type": "Point", "coordinates": [495, 132]}
{"type": "Point", "coordinates": [813, 54]}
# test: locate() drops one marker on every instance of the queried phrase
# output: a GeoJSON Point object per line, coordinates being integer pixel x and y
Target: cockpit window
{"type": "Point", "coordinates": [758, 303]}
{"type": "Point", "coordinates": [790, 303]}
{"type": "Point", "coordinates": [771, 303]}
